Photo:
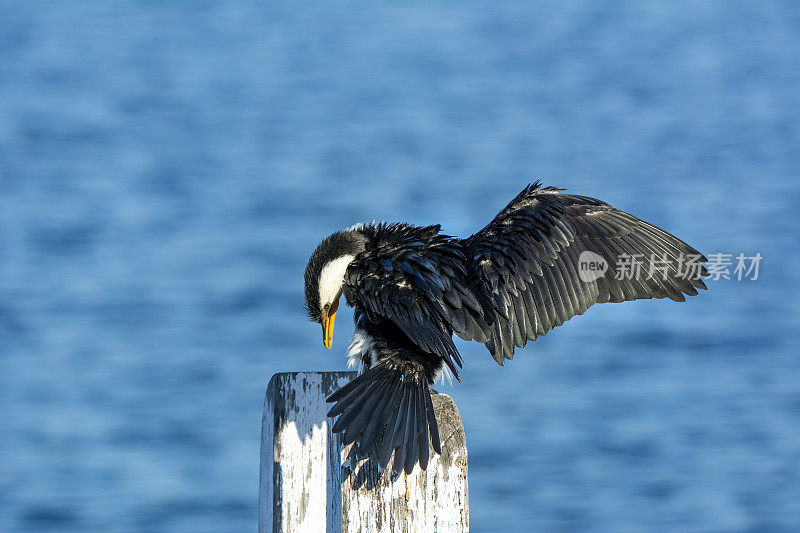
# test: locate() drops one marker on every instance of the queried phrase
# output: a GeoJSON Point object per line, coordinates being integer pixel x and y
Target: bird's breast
{"type": "Point", "coordinates": [361, 353]}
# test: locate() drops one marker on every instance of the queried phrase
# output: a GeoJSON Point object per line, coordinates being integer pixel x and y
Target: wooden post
{"type": "Point", "coordinates": [311, 483]}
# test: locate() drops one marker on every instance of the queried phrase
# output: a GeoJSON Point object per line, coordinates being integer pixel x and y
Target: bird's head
{"type": "Point", "coordinates": [324, 277]}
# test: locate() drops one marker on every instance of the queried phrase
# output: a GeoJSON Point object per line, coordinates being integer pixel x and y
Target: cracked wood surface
{"type": "Point", "coordinates": [310, 482]}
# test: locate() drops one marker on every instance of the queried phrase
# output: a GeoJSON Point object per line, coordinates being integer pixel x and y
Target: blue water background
{"type": "Point", "coordinates": [165, 171]}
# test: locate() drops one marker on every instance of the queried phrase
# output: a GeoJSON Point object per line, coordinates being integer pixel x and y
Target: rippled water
{"type": "Point", "coordinates": [166, 170]}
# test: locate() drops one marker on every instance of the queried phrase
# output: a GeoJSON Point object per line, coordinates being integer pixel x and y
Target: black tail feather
{"type": "Point", "coordinates": [373, 430]}
{"type": "Point", "coordinates": [357, 427]}
{"type": "Point", "coordinates": [422, 438]}
{"type": "Point", "coordinates": [350, 392]}
{"type": "Point", "coordinates": [352, 405]}
{"type": "Point", "coordinates": [391, 401]}
{"type": "Point", "coordinates": [433, 427]}
{"type": "Point", "coordinates": [394, 421]}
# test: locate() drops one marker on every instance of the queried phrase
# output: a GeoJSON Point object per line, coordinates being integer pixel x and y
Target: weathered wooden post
{"type": "Point", "coordinates": [311, 483]}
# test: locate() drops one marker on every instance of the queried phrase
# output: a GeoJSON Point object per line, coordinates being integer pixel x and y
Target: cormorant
{"type": "Point", "coordinates": [546, 257]}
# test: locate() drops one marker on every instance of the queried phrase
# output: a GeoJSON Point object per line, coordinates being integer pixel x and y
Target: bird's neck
{"type": "Point", "coordinates": [352, 241]}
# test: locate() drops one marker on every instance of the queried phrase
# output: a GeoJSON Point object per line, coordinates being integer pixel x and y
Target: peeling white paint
{"type": "Point", "coordinates": [309, 482]}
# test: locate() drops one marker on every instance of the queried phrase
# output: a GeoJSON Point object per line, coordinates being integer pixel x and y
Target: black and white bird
{"type": "Point", "coordinates": [412, 287]}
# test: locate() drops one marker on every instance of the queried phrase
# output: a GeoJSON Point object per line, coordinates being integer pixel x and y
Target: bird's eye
{"type": "Point", "coordinates": [326, 307]}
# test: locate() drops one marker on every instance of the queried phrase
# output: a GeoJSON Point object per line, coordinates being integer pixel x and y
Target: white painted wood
{"type": "Point", "coordinates": [298, 485]}
{"type": "Point", "coordinates": [310, 483]}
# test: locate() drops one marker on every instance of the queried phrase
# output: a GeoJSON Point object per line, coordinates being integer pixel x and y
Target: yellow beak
{"type": "Point", "coordinates": [328, 318]}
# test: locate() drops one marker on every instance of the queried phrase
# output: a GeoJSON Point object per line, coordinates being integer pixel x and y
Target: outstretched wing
{"type": "Point", "coordinates": [414, 277]}
{"type": "Point", "coordinates": [527, 263]}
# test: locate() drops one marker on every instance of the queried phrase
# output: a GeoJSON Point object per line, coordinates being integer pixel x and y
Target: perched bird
{"type": "Point", "coordinates": [538, 263]}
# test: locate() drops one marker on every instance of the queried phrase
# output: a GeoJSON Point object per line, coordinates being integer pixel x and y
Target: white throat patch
{"type": "Point", "coordinates": [331, 278]}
